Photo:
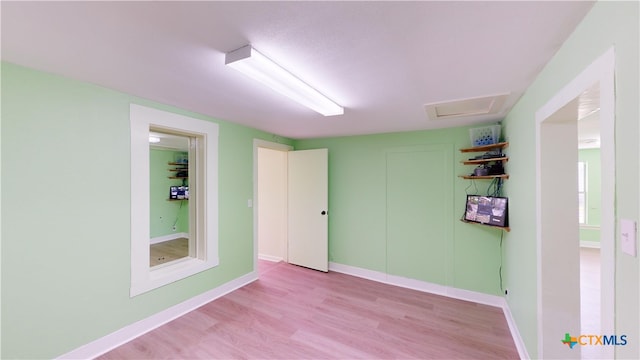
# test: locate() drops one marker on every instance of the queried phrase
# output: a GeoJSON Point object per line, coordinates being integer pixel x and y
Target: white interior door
{"type": "Point", "coordinates": [307, 208]}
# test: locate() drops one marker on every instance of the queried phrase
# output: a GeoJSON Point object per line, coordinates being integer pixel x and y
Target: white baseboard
{"type": "Point", "coordinates": [132, 331]}
{"type": "Point", "coordinates": [419, 285]}
{"type": "Point", "coordinates": [448, 291]}
{"type": "Point", "coordinates": [590, 227]}
{"type": "Point", "coordinates": [515, 333]}
{"type": "Point", "coordinates": [590, 244]}
{"type": "Point", "coordinates": [269, 258]}
{"type": "Point", "coordinates": [163, 238]}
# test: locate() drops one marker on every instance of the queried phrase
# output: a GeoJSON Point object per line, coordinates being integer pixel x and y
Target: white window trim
{"type": "Point", "coordinates": [143, 277]}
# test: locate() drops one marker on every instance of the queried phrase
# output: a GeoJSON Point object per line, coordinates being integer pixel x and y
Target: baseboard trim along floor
{"type": "Point", "coordinates": [269, 258]}
{"type": "Point", "coordinates": [164, 238]}
{"type": "Point", "coordinates": [437, 289]}
{"type": "Point", "coordinates": [132, 331]}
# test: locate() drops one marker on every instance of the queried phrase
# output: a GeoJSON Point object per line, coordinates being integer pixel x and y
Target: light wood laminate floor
{"type": "Point", "coordinates": [166, 251]}
{"type": "Point", "coordinates": [297, 313]}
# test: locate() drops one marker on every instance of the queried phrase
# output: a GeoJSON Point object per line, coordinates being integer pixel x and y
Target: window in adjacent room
{"type": "Point", "coordinates": [582, 192]}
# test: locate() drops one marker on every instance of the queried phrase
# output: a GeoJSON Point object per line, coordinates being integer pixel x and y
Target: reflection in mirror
{"type": "Point", "coordinates": [153, 214]}
{"type": "Point", "coordinates": [169, 198]}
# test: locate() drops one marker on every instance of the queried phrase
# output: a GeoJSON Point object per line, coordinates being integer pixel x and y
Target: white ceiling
{"type": "Point", "coordinates": [382, 61]}
{"type": "Point", "coordinates": [169, 141]}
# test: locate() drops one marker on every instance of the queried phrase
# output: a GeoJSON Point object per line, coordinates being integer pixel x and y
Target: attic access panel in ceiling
{"type": "Point", "coordinates": [487, 105]}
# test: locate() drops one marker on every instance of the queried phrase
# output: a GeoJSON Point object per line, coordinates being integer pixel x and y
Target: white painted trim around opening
{"type": "Point", "coordinates": [601, 71]}
{"type": "Point", "coordinates": [109, 342]}
{"type": "Point", "coordinates": [204, 223]}
{"type": "Point", "coordinates": [448, 291]}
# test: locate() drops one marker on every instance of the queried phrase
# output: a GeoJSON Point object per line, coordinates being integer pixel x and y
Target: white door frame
{"type": "Point", "coordinates": [259, 143]}
{"type": "Point", "coordinates": [601, 71]}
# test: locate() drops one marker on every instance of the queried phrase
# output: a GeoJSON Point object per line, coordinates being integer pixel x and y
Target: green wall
{"type": "Point", "coordinates": [608, 24]}
{"type": "Point", "coordinates": [592, 158]}
{"type": "Point", "coordinates": [395, 201]}
{"type": "Point", "coordinates": [66, 202]}
{"type": "Point", "coordinates": [165, 213]}
{"type": "Point", "coordinates": [66, 214]}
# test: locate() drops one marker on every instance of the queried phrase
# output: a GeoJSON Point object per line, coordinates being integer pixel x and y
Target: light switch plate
{"type": "Point", "coordinates": [628, 236]}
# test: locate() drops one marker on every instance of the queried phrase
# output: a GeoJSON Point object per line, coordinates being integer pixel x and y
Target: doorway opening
{"type": "Point", "coordinates": [589, 216]}
{"type": "Point", "coordinates": [291, 205]}
{"type": "Point", "coordinates": [557, 208]}
{"type": "Point", "coordinates": [270, 202]}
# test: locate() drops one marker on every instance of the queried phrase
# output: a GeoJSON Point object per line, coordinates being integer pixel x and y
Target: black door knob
{"type": "Point", "coordinates": [323, 212]}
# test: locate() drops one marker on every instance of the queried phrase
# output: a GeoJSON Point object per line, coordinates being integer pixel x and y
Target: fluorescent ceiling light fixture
{"type": "Point", "coordinates": [154, 139]}
{"type": "Point", "coordinates": [259, 67]}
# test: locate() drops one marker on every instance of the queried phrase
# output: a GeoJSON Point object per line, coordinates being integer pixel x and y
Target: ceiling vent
{"type": "Point", "coordinates": [467, 107]}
